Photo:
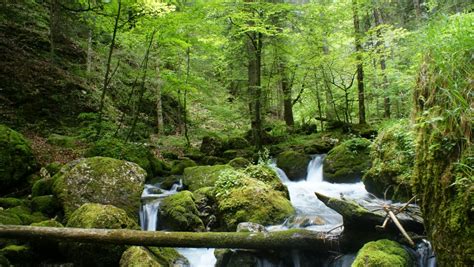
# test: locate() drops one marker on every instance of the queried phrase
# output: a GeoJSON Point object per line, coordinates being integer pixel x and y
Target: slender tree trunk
{"type": "Point", "coordinates": [89, 52]}
{"type": "Point", "coordinates": [416, 6]}
{"type": "Point", "coordinates": [286, 90]}
{"type": "Point", "coordinates": [360, 69]}
{"type": "Point", "coordinates": [255, 92]}
{"type": "Point", "coordinates": [318, 98]}
{"type": "Point", "coordinates": [188, 58]}
{"type": "Point", "coordinates": [107, 70]}
{"type": "Point", "coordinates": [378, 21]}
{"type": "Point", "coordinates": [159, 105]}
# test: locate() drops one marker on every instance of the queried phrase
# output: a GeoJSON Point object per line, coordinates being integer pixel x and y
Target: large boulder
{"type": "Point", "coordinates": [382, 253]}
{"type": "Point", "coordinates": [137, 153]}
{"type": "Point", "coordinates": [100, 180]}
{"type": "Point", "coordinates": [16, 159]}
{"type": "Point", "coordinates": [348, 161]}
{"type": "Point", "coordinates": [267, 175]}
{"type": "Point", "coordinates": [294, 164]}
{"type": "Point", "coordinates": [179, 165]}
{"type": "Point", "coordinates": [178, 212]}
{"type": "Point", "coordinates": [241, 198]}
{"type": "Point", "coordinates": [202, 176]}
{"type": "Point", "coordinates": [212, 145]}
{"type": "Point", "coordinates": [92, 215]}
{"type": "Point", "coordinates": [393, 156]}
{"type": "Point", "coordinates": [139, 256]}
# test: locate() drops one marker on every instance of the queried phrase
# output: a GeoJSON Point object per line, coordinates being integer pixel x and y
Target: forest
{"type": "Point", "coordinates": [273, 132]}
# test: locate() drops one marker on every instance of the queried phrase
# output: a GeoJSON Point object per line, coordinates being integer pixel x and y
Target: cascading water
{"type": "Point", "coordinates": [311, 214]}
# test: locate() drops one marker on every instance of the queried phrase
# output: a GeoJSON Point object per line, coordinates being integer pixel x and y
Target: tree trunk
{"type": "Point", "coordinates": [107, 70]}
{"type": "Point", "coordinates": [159, 105]}
{"type": "Point", "coordinates": [360, 69]}
{"type": "Point", "coordinates": [295, 238]}
{"type": "Point", "coordinates": [286, 90]}
{"type": "Point", "coordinates": [185, 98]}
{"type": "Point", "coordinates": [378, 21]}
{"type": "Point", "coordinates": [416, 6]}
{"type": "Point", "coordinates": [254, 46]}
{"type": "Point", "coordinates": [89, 52]}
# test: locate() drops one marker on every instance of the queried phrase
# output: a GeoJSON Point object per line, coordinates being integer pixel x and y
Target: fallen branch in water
{"type": "Point", "coordinates": [295, 238]}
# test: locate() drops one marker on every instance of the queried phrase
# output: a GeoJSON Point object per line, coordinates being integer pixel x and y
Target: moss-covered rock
{"type": "Point", "coordinates": [267, 175]}
{"type": "Point", "coordinates": [139, 257]}
{"type": "Point", "coordinates": [48, 205]}
{"type": "Point", "coordinates": [53, 168]}
{"type": "Point", "coordinates": [93, 215]}
{"type": "Point", "coordinates": [137, 153]}
{"type": "Point", "coordinates": [178, 212]}
{"type": "Point", "coordinates": [234, 153]}
{"type": "Point", "coordinates": [16, 159]}
{"type": "Point", "coordinates": [294, 164]}
{"type": "Point", "coordinates": [202, 176]}
{"type": "Point", "coordinates": [20, 215]}
{"type": "Point", "coordinates": [239, 162]}
{"type": "Point", "coordinates": [179, 165]}
{"type": "Point", "coordinates": [168, 256]}
{"type": "Point", "coordinates": [237, 142]}
{"type": "Point", "coordinates": [241, 198]}
{"type": "Point", "coordinates": [42, 187]}
{"type": "Point", "coordinates": [392, 155]}
{"type": "Point", "coordinates": [10, 202]}
{"type": "Point", "coordinates": [213, 160]}
{"type": "Point", "coordinates": [321, 145]}
{"type": "Point", "coordinates": [348, 161]}
{"type": "Point", "coordinates": [48, 223]}
{"type": "Point", "coordinates": [100, 180]}
{"type": "Point", "coordinates": [168, 181]}
{"type": "Point", "coordinates": [18, 255]}
{"type": "Point", "coordinates": [382, 253]}
{"type": "Point", "coordinates": [212, 145]}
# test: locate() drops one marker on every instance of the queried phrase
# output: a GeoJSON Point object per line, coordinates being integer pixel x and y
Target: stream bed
{"type": "Point", "coordinates": [311, 214]}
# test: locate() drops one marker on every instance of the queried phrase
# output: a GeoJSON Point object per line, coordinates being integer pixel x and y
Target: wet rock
{"type": "Point", "coordinates": [178, 212]}
{"type": "Point", "coordinates": [250, 227]}
{"type": "Point", "coordinates": [294, 164]}
{"type": "Point", "coordinates": [93, 215]}
{"type": "Point", "coordinates": [100, 180]}
{"type": "Point", "coordinates": [382, 253]}
{"type": "Point", "coordinates": [348, 161]}
{"type": "Point", "coordinates": [16, 159]}
{"type": "Point", "coordinates": [393, 157]}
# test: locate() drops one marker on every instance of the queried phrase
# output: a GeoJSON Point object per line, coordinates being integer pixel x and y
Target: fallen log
{"type": "Point", "coordinates": [295, 238]}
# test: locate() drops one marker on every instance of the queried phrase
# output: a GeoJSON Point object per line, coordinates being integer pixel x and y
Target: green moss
{"type": "Point", "coordinates": [179, 165]}
{"type": "Point", "coordinates": [392, 155]}
{"type": "Point", "coordinates": [294, 164]}
{"type": "Point", "coordinates": [139, 154]}
{"type": "Point", "coordinates": [20, 215]}
{"type": "Point", "coordinates": [18, 255]}
{"type": "Point", "coordinates": [212, 145]}
{"type": "Point", "coordinates": [267, 175]}
{"type": "Point", "coordinates": [213, 160]}
{"type": "Point", "coordinates": [10, 202]}
{"type": "Point", "coordinates": [202, 176]}
{"type": "Point", "coordinates": [382, 253]}
{"type": "Point", "coordinates": [42, 187]}
{"type": "Point", "coordinates": [139, 257]}
{"type": "Point", "coordinates": [48, 205]}
{"type": "Point", "coordinates": [178, 212]}
{"type": "Point", "coordinates": [237, 143]}
{"type": "Point", "coordinates": [4, 261]}
{"type": "Point", "coordinates": [53, 168]}
{"type": "Point", "coordinates": [16, 159]}
{"type": "Point", "coordinates": [100, 180]}
{"type": "Point", "coordinates": [348, 161]}
{"type": "Point", "coordinates": [239, 162]}
{"type": "Point", "coordinates": [168, 256]}
{"type": "Point", "coordinates": [244, 199]}
{"type": "Point", "coordinates": [48, 223]}
{"type": "Point", "coordinates": [93, 215]}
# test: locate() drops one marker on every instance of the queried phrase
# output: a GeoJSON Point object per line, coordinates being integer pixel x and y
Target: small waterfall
{"type": "Point", "coordinates": [315, 169]}
{"type": "Point", "coordinates": [425, 254]}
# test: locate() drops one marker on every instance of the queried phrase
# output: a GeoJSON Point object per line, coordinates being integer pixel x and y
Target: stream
{"type": "Point", "coordinates": [311, 214]}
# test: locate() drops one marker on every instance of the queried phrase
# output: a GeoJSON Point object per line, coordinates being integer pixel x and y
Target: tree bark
{"type": "Point", "coordinates": [360, 68]}
{"type": "Point", "coordinates": [379, 21]}
{"type": "Point", "coordinates": [254, 46]}
{"type": "Point", "coordinates": [286, 90]}
{"type": "Point", "coordinates": [295, 238]}
{"type": "Point", "coordinates": [159, 104]}
{"type": "Point", "coordinates": [185, 99]}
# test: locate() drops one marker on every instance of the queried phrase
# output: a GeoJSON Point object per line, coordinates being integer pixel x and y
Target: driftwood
{"type": "Point", "coordinates": [295, 239]}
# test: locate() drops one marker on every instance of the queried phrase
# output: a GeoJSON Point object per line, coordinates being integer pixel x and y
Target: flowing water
{"type": "Point", "coordinates": [311, 214]}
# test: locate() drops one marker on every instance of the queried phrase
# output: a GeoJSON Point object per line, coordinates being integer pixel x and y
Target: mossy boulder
{"type": "Point", "coordinates": [239, 162]}
{"type": "Point", "coordinates": [179, 165]}
{"type": "Point", "coordinates": [18, 255]}
{"type": "Point", "coordinates": [321, 145]}
{"type": "Point", "coordinates": [139, 257]}
{"type": "Point", "coordinates": [42, 187]}
{"type": "Point", "coordinates": [10, 202]}
{"type": "Point", "coordinates": [48, 223]}
{"type": "Point", "coordinates": [294, 164]}
{"type": "Point", "coordinates": [212, 146]}
{"type": "Point", "coordinates": [213, 160]}
{"type": "Point", "coordinates": [92, 215]}
{"type": "Point", "coordinates": [100, 180]}
{"type": "Point", "coordinates": [20, 215]}
{"type": "Point", "coordinates": [348, 161]}
{"type": "Point", "coordinates": [393, 156]}
{"type": "Point", "coordinates": [53, 168]}
{"type": "Point", "coordinates": [267, 175]}
{"type": "Point", "coordinates": [237, 142]}
{"type": "Point", "coordinates": [178, 212]}
{"type": "Point", "coordinates": [16, 159]}
{"type": "Point", "coordinates": [48, 205]}
{"type": "Point", "coordinates": [241, 198]}
{"type": "Point", "coordinates": [382, 253]}
{"type": "Point", "coordinates": [137, 153]}
{"type": "Point", "coordinates": [202, 176]}
{"type": "Point", "coordinates": [234, 153]}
